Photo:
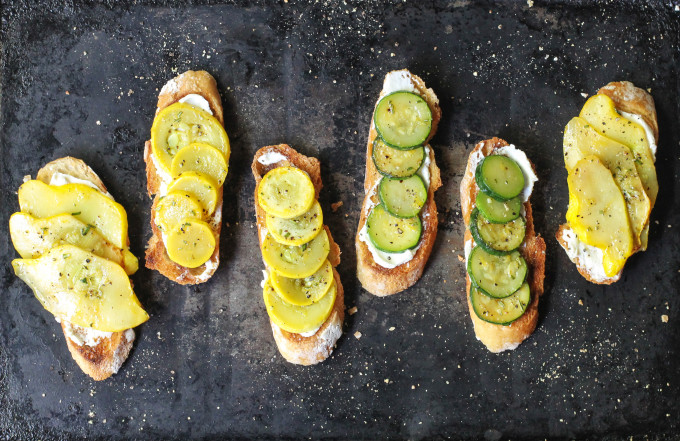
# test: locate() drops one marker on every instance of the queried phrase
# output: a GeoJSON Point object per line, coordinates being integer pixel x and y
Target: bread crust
{"type": "Point", "coordinates": [190, 82]}
{"type": "Point", "coordinates": [375, 278]}
{"type": "Point", "coordinates": [102, 360]}
{"type": "Point", "coordinates": [296, 348]}
{"type": "Point", "coordinates": [498, 338]}
{"type": "Point", "coordinates": [631, 99]}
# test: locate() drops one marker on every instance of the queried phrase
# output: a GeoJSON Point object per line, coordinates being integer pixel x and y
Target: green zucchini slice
{"type": "Point", "coordinates": [499, 177]}
{"type": "Point", "coordinates": [403, 120]}
{"type": "Point", "coordinates": [499, 212]}
{"type": "Point", "coordinates": [392, 234]}
{"type": "Point", "coordinates": [500, 311]}
{"type": "Point", "coordinates": [396, 163]}
{"type": "Point", "coordinates": [403, 197]}
{"type": "Point", "coordinates": [497, 238]}
{"type": "Point", "coordinates": [496, 276]}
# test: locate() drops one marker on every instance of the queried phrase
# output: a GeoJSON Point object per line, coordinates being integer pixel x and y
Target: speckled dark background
{"type": "Point", "coordinates": [82, 80]}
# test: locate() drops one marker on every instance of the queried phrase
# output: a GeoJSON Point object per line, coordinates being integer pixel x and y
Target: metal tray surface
{"type": "Point", "coordinates": [81, 79]}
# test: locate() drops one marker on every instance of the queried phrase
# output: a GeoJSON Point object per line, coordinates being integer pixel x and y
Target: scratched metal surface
{"type": "Point", "coordinates": [82, 80]}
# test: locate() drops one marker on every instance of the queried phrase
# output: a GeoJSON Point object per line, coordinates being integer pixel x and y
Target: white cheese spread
{"type": "Point", "coordinates": [59, 179]}
{"type": "Point", "coordinates": [197, 101]}
{"type": "Point", "coordinates": [521, 159]}
{"type": "Point", "coordinates": [648, 130]}
{"type": "Point", "coordinates": [382, 258]}
{"type": "Point", "coordinates": [424, 170]}
{"type": "Point", "coordinates": [162, 175]}
{"type": "Point", "coordinates": [398, 80]}
{"type": "Point", "coordinates": [589, 257]}
{"type": "Point", "coordinates": [84, 336]}
{"type": "Point", "coordinates": [271, 157]}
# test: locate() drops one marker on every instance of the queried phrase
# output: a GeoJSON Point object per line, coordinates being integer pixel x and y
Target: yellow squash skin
{"type": "Point", "coordinates": [296, 261]}
{"type": "Point", "coordinates": [201, 186]}
{"type": "Point", "coordinates": [203, 158]}
{"type": "Point", "coordinates": [581, 140]}
{"type": "Point", "coordinates": [83, 288]}
{"type": "Point", "coordinates": [179, 125]}
{"type": "Point", "coordinates": [286, 192]}
{"type": "Point", "coordinates": [297, 230]}
{"type": "Point", "coordinates": [295, 318]}
{"type": "Point", "coordinates": [81, 201]}
{"type": "Point", "coordinates": [597, 212]}
{"type": "Point", "coordinates": [304, 291]}
{"type": "Point", "coordinates": [176, 206]}
{"type": "Point", "coordinates": [190, 243]}
{"type": "Point", "coordinates": [33, 237]}
{"type": "Point", "coordinates": [601, 113]}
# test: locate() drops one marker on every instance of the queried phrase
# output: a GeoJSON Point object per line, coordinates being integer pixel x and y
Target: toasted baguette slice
{"type": "Point", "coordinates": [630, 99]}
{"type": "Point", "coordinates": [498, 338]}
{"type": "Point", "coordinates": [377, 279]}
{"type": "Point", "coordinates": [295, 347]}
{"type": "Point", "coordinates": [190, 82]}
{"type": "Point", "coordinates": [99, 355]}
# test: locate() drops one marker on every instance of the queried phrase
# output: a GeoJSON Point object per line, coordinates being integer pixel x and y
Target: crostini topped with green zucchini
{"type": "Point", "coordinates": [504, 257]}
{"type": "Point", "coordinates": [399, 218]}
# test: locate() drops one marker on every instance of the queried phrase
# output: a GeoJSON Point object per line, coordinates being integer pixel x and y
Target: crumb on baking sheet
{"type": "Point", "coordinates": [357, 335]}
{"type": "Point", "coordinates": [336, 205]}
{"type": "Point", "coordinates": [664, 318]}
{"type": "Point", "coordinates": [353, 310]}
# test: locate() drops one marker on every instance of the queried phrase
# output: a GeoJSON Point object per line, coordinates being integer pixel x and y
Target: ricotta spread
{"type": "Point", "coordinates": [589, 257]}
{"type": "Point", "coordinates": [648, 130]}
{"type": "Point", "coordinates": [59, 179]}
{"type": "Point", "coordinates": [424, 170]}
{"type": "Point", "coordinates": [520, 157]}
{"type": "Point", "coordinates": [271, 157]}
{"type": "Point", "coordinates": [85, 336]}
{"type": "Point", "coordinates": [197, 100]}
{"type": "Point", "coordinates": [162, 175]}
{"type": "Point", "coordinates": [382, 258]}
{"type": "Point", "coordinates": [398, 80]}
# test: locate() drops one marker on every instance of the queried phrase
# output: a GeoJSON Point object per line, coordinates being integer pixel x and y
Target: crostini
{"type": "Point", "coordinates": [74, 247]}
{"type": "Point", "coordinates": [398, 222]}
{"type": "Point", "coordinates": [187, 160]}
{"type": "Point", "coordinates": [302, 291]}
{"type": "Point", "coordinates": [505, 258]}
{"type": "Point", "coordinates": [609, 153]}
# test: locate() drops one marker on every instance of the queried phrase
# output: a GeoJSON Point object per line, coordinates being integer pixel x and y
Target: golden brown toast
{"type": "Point", "coordinates": [104, 358]}
{"type": "Point", "coordinates": [190, 82]}
{"type": "Point", "coordinates": [498, 338]}
{"type": "Point", "coordinates": [375, 278]}
{"type": "Point", "coordinates": [630, 99]}
{"type": "Point", "coordinates": [297, 348]}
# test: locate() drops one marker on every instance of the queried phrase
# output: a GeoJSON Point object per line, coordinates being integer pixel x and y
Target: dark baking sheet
{"type": "Point", "coordinates": [82, 80]}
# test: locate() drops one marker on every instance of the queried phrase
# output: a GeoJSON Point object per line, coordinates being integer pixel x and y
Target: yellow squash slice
{"type": "Point", "coordinates": [304, 291]}
{"type": "Point", "coordinates": [83, 288]}
{"type": "Point", "coordinates": [297, 230]}
{"type": "Point", "coordinates": [190, 243]}
{"type": "Point", "coordinates": [296, 262]}
{"type": "Point", "coordinates": [295, 318]}
{"type": "Point", "coordinates": [202, 158]}
{"type": "Point", "coordinates": [601, 113]}
{"type": "Point", "coordinates": [175, 207]}
{"type": "Point", "coordinates": [581, 140]}
{"type": "Point", "coordinates": [597, 213]}
{"type": "Point", "coordinates": [79, 200]}
{"type": "Point", "coordinates": [286, 192]}
{"type": "Point", "coordinates": [179, 125]}
{"type": "Point", "coordinates": [201, 186]}
{"type": "Point", "coordinates": [33, 237]}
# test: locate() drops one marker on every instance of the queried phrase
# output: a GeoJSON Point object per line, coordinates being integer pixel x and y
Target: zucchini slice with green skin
{"type": "Point", "coordinates": [499, 177]}
{"type": "Point", "coordinates": [402, 197]}
{"type": "Point", "coordinates": [496, 276]}
{"type": "Point", "coordinates": [392, 234]}
{"type": "Point", "coordinates": [499, 212]}
{"type": "Point", "coordinates": [500, 311]}
{"type": "Point", "coordinates": [396, 163]}
{"type": "Point", "coordinates": [403, 120]}
{"type": "Point", "coordinates": [497, 239]}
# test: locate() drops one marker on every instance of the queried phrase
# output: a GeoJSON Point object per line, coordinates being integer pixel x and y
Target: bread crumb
{"type": "Point", "coordinates": [336, 205]}
{"type": "Point", "coordinates": [353, 310]}
{"type": "Point", "coordinates": [580, 302]}
{"type": "Point", "coordinates": [664, 318]}
{"type": "Point", "coordinates": [530, 3]}
{"type": "Point", "coordinates": [461, 258]}
{"type": "Point", "coordinates": [392, 328]}
{"type": "Point", "coordinates": [68, 93]}
{"type": "Point", "coordinates": [357, 335]}
{"type": "Point", "coordinates": [387, 381]}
